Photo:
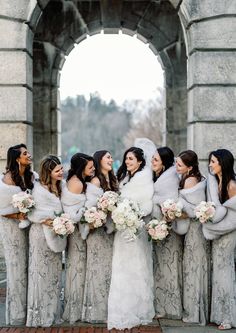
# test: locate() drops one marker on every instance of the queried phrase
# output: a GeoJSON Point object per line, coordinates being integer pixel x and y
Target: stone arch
{"type": "Point", "coordinates": [65, 23]}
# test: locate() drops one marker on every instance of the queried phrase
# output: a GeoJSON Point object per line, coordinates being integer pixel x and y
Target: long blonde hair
{"type": "Point", "coordinates": [47, 164]}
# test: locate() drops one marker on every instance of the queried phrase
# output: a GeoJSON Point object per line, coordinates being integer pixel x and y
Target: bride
{"type": "Point", "coordinates": [130, 301]}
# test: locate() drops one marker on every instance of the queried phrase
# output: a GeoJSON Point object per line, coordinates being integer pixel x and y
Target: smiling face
{"type": "Point", "coordinates": [89, 169]}
{"type": "Point", "coordinates": [215, 166]}
{"type": "Point", "coordinates": [157, 165]}
{"type": "Point", "coordinates": [181, 168]}
{"type": "Point", "coordinates": [25, 157]}
{"type": "Point", "coordinates": [57, 173]}
{"type": "Point", "coordinates": [132, 163]}
{"type": "Point", "coordinates": [106, 163]}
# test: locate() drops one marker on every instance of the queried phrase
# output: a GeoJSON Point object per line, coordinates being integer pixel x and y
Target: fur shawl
{"type": "Point", "coordinates": [165, 187]}
{"type": "Point", "coordinates": [224, 220]}
{"type": "Point", "coordinates": [139, 188]}
{"type": "Point", "coordinates": [6, 193]}
{"type": "Point", "coordinates": [92, 194]}
{"type": "Point", "coordinates": [190, 198]}
{"type": "Point", "coordinates": [72, 203]}
{"type": "Point", "coordinates": [46, 205]}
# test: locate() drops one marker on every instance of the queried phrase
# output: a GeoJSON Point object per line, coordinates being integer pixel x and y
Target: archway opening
{"type": "Point", "coordinates": [112, 87]}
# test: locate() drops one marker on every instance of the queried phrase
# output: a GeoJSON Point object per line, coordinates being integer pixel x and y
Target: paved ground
{"type": "Point", "coordinates": [160, 326]}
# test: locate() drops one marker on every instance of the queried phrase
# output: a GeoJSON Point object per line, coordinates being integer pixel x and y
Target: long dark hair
{"type": "Point", "coordinates": [47, 164]}
{"type": "Point", "coordinates": [190, 159]}
{"type": "Point", "coordinates": [167, 158]}
{"type": "Point", "coordinates": [138, 153]}
{"type": "Point", "coordinates": [78, 163]}
{"type": "Point", "coordinates": [12, 166]}
{"type": "Point", "coordinates": [226, 161]}
{"type": "Point", "coordinates": [113, 186]}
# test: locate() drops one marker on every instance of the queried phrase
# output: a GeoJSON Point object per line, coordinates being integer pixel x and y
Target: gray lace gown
{"type": "Point", "coordinates": [98, 268]}
{"type": "Point", "coordinates": [222, 230]}
{"type": "Point", "coordinates": [76, 258]}
{"type": "Point", "coordinates": [45, 265]}
{"type": "Point", "coordinates": [167, 254]}
{"type": "Point", "coordinates": [223, 307]}
{"type": "Point", "coordinates": [195, 260]}
{"type": "Point", "coordinates": [15, 246]}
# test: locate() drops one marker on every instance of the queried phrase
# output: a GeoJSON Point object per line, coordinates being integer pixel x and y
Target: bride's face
{"type": "Point", "coordinates": [157, 165]}
{"type": "Point", "coordinates": [132, 163]}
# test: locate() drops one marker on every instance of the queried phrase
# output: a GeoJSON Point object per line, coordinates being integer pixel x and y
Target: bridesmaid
{"type": "Point", "coordinates": [222, 190]}
{"type": "Point", "coordinates": [99, 244]}
{"type": "Point", "coordinates": [18, 177]}
{"type": "Point", "coordinates": [45, 247]}
{"type": "Point", "coordinates": [168, 254]}
{"type": "Point", "coordinates": [195, 259]}
{"type": "Point", "coordinates": [73, 201]}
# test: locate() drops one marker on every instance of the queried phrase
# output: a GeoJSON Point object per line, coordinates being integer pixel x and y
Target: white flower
{"type": "Point", "coordinates": [95, 217]}
{"type": "Point", "coordinates": [157, 230]}
{"type": "Point", "coordinates": [23, 201]}
{"type": "Point", "coordinates": [107, 202]}
{"type": "Point", "coordinates": [171, 209]}
{"type": "Point", "coordinates": [205, 211]}
{"type": "Point", "coordinates": [63, 225]}
{"type": "Point", "coordinates": [127, 217]}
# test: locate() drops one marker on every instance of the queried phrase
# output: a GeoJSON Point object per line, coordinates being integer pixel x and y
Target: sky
{"type": "Point", "coordinates": [118, 67]}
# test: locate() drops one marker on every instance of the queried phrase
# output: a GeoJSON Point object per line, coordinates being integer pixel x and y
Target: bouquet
{"type": "Point", "coordinates": [205, 211]}
{"type": "Point", "coordinates": [94, 217]}
{"type": "Point", "coordinates": [128, 217]}
{"type": "Point", "coordinates": [157, 230]}
{"type": "Point", "coordinates": [25, 203]}
{"type": "Point", "coordinates": [171, 209]}
{"type": "Point", "coordinates": [108, 201]}
{"type": "Point", "coordinates": [63, 225]}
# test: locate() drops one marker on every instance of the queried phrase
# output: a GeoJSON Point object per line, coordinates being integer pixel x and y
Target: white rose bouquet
{"type": "Point", "coordinates": [127, 217]}
{"type": "Point", "coordinates": [157, 230]}
{"type": "Point", "coordinates": [25, 203]}
{"type": "Point", "coordinates": [94, 217]}
{"type": "Point", "coordinates": [63, 225]}
{"type": "Point", "coordinates": [171, 209]}
{"type": "Point", "coordinates": [205, 211]}
{"type": "Point", "coordinates": [108, 201]}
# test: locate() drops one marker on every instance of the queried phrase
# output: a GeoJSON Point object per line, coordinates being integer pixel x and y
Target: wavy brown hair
{"type": "Point", "coordinates": [12, 167]}
{"type": "Point", "coordinates": [190, 159]}
{"type": "Point", "coordinates": [113, 186]}
{"type": "Point", "coordinates": [47, 164]}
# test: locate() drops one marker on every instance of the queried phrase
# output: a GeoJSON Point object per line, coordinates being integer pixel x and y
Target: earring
{"type": "Point", "coordinates": [163, 168]}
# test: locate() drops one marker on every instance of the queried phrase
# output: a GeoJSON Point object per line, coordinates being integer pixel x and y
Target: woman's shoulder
{"type": "Point", "coordinates": [190, 182]}
{"type": "Point", "coordinates": [7, 179]}
{"type": "Point", "coordinates": [75, 185]}
{"type": "Point", "coordinates": [95, 181]}
{"type": "Point", "coordinates": [232, 188]}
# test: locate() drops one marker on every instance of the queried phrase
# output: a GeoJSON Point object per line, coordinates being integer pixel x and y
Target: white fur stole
{"type": "Point", "coordinates": [46, 205]}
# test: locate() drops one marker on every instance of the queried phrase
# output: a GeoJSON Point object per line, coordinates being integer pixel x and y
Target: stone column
{"type": "Point", "coordinates": [211, 39]}
{"type": "Point", "coordinates": [15, 76]}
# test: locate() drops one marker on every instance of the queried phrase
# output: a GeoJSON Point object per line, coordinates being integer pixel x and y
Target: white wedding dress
{"type": "Point", "coordinates": [130, 301]}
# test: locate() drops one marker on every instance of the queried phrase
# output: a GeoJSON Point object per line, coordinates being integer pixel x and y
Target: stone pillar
{"type": "Point", "coordinates": [211, 39]}
{"type": "Point", "coordinates": [16, 116]}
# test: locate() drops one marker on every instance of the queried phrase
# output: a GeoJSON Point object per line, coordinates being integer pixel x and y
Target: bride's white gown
{"type": "Point", "coordinates": [130, 301]}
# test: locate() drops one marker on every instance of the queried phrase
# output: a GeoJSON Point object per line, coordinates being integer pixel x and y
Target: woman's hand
{"type": "Point", "coordinates": [48, 222]}
{"type": "Point", "coordinates": [16, 216]}
{"type": "Point", "coordinates": [183, 216]}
